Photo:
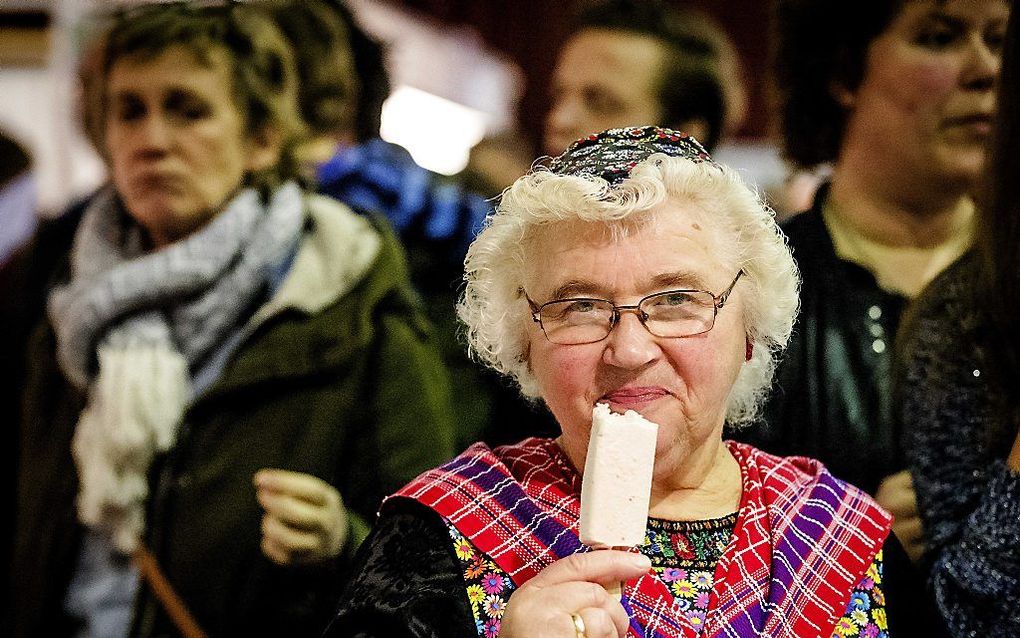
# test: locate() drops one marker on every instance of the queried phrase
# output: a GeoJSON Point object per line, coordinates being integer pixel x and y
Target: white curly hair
{"type": "Point", "coordinates": [496, 316]}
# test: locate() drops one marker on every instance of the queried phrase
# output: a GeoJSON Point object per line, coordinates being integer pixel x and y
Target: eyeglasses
{"type": "Point", "coordinates": [674, 313]}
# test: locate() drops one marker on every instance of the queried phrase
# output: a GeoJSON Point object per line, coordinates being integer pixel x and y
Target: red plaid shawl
{"type": "Point", "coordinates": [802, 541]}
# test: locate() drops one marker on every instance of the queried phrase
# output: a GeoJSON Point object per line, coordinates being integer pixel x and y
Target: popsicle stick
{"type": "Point", "coordinates": [615, 589]}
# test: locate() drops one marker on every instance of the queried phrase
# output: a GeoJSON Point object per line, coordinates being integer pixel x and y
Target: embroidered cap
{"type": "Point", "coordinates": [612, 154]}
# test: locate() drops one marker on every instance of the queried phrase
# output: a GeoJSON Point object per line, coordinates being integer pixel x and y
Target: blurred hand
{"type": "Point", "coordinates": [1013, 461]}
{"type": "Point", "coordinates": [305, 520]}
{"type": "Point", "coordinates": [543, 606]}
{"type": "Point", "coordinates": [896, 494]}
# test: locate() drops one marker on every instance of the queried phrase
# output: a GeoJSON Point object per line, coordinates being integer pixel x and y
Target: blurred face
{"type": "Point", "coordinates": [926, 101]}
{"type": "Point", "coordinates": [604, 79]}
{"type": "Point", "coordinates": [680, 383]}
{"type": "Point", "coordinates": [176, 141]}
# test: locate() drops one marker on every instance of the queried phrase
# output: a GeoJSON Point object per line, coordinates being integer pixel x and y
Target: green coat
{"type": "Point", "coordinates": [337, 376]}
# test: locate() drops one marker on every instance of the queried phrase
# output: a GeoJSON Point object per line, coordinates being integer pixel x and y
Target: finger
{"type": "Point", "coordinates": [908, 530]}
{"type": "Point", "coordinates": [275, 552]}
{"type": "Point", "coordinates": [899, 481]}
{"type": "Point", "coordinates": [292, 511]}
{"type": "Point", "coordinates": [603, 622]}
{"type": "Point", "coordinates": [908, 509]}
{"type": "Point", "coordinates": [901, 502]}
{"type": "Point", "coordinates": [908, 480]}
{"type": "Point", "coordinates": [292, 540]}
{"type": "Point", "coordinates": [298, 484]}
{"type": "Point", "coordinates": [599, 566]}
{"type": "Point", "coordinates": [281, 554]}
{"type": "Point", "coordinates": [573, 596]}
{"type": "Point", "coordinates": [535, 610]}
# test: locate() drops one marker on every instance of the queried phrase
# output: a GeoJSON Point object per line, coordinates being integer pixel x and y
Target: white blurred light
{"type": "Point", "coordinates": [438, 133]}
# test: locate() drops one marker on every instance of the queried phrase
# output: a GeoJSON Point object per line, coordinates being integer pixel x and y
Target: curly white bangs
{"type": "Point", "coordinates": [496, 315]}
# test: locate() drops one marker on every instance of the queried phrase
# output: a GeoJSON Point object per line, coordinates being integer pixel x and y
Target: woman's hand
{"type": "Point", "coordinates": [305, 520]}
{"type": "Point", "coordinates": [1013, 461]}
{"type": "Point", "coordinates": [896, 494]}
{"type": "Point", "coordinates": [544, 606]}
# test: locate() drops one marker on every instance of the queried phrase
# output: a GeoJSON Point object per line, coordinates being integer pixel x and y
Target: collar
{"type": "Point", "coordinates": [334, 255]}
{"type": "Point", "coordinates": [803, 539]}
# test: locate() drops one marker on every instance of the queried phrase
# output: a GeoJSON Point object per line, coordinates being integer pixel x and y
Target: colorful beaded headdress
{"type": "Point", "coordinates": [612, 154]}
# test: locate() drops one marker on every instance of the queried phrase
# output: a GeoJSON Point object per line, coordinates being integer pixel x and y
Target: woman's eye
{"type": "Point", "coordinates": [187, 107]}
{"type": "Point", "coordinates": [601, 102]}
{"type": "Point", "coordinates": [994, 40]}
{"type": "Point", "coordinates": [673, 299]}
{"type": "Point", "coordinates": [937, 38]}
{"type": "Point", "coordinates": [581, 306]}
{"type": "Point", "coordinates": [937, 35]}
{"type": "Point", "coordinates": [128, 110]}
{"type": "Point", "coordinates": [193, 111]}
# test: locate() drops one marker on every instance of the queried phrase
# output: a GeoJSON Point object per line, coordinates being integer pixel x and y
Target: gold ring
{"type": "Point", "coordinates": [579, 627]}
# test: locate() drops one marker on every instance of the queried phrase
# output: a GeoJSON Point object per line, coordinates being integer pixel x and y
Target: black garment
{"type": "Point", "coordinates": [408, 582]}
{"type": "Point", "coordinates": [832, 394]}
{"type": "Point", "coordinates": [968, 497]}
{"type": "Point", "coordinates": [22, 302]}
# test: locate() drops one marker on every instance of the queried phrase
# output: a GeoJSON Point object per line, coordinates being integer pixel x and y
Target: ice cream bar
{"type": "Point", "coordinates": [617, 481]}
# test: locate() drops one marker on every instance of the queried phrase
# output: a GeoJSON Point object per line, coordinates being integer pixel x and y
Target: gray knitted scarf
{"type": "Point", "coordinates": [132, 325]}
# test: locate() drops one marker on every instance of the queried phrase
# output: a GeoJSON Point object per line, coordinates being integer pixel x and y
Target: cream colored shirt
{"type": "Point", "coordinates": [904, 270]}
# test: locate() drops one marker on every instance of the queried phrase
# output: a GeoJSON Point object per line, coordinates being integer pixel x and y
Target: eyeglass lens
{"type": "Point", "coordinates": [668, 314]}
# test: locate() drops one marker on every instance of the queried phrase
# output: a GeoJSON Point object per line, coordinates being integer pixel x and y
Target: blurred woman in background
{"type": "Point", "coordinates": [960, 399]}
{"type": "Point", "coordinates": [233, 366]}
{"type": "Point", "coordinates": [898, 97]}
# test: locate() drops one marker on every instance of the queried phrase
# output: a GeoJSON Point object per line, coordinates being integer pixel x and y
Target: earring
{"type": "Point", "coordinates": [748, 350]}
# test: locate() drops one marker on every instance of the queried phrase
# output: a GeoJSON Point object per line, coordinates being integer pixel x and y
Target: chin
{"type": "Point", "coordinates": [148, 212]}
{"type": "Point", "coordinates": [963, 165]}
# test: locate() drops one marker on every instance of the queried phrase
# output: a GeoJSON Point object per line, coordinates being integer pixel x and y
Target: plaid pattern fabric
{"type": "Point", "coordinates": [802, 541]}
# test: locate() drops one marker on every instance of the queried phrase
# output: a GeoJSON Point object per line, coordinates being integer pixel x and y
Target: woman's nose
{"type": "Point", "coordinates": [154, 133]}
{"type": "Point", "coordinates": [630, 345]}
{"type": "Point", "coordinates": [982, 66]}
{"type": "Point", "coordinates": [562, 117]}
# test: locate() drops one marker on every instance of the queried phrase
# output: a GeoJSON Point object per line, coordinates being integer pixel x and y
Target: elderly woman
{"type": "Point", "coordinates": [633, 271]}
{"type": "Point", "coordinates": [231, 373]}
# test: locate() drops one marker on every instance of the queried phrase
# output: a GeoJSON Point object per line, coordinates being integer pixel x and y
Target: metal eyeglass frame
{"type": "Point", "coordinates": [718, 301]}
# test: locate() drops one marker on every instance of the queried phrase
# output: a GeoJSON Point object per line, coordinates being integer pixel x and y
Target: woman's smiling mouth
{"type": "Point", "coordinates": [632, 397]}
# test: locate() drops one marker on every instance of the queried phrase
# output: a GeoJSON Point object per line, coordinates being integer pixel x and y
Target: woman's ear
{"type": "Point", "coordinates": [265, 149]}
{"type": "Point", "coordinates": [842, 94]}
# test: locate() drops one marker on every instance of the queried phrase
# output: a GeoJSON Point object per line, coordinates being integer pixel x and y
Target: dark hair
{"type": "Point", "coordinates": [265, 84]}
{"type": "Point", "coordinates": [691, 84]}
{"type": "Point", "coordinates": [343, 74]}
{"type": "Point", "coordinates": [821, 45]}
{"type": "Point", "coordinates": [998, 243]}
{"type": "Point", "coordinates": [370, 65]}
{"type": "Point", "coordinates": [329, 84]}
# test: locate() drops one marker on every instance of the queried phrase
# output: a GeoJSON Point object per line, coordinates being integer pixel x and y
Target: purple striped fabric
{"type": "Point", "coordinates": [802, 540]}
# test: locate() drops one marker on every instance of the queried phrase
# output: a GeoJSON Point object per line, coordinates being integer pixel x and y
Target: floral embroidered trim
{"type": "Point", "coordinates": [865, 614]}
{"type": "Point", "coordinates": [488, 587]}
{"type": "Point", "coordinates": [690, 580]}
{"type": "Point", "coordinates": [688, 544]}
